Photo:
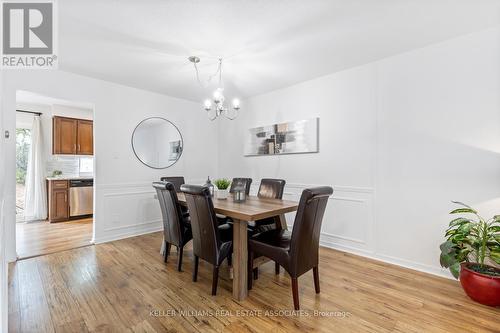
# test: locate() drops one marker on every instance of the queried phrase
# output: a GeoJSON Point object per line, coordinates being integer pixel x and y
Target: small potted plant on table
{"type": "Point", "coordinates": [222, 188]}
{"type": "Point", "coordinates": [472, 253]}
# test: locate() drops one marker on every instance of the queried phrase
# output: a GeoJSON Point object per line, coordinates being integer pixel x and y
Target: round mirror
{"type": "Point", "coordinates": [157, 143]}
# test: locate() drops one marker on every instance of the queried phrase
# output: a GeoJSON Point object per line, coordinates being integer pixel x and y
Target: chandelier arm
{"type": "Point", "coordinates": [212, 119]}
{"type": "Point", "coordinates": [231, 118]}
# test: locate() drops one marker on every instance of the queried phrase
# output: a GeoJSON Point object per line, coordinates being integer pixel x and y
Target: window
{"type": "Point", "coordinates": [86, 165]}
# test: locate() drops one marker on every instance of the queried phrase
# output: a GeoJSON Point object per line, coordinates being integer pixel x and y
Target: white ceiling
{"type": "Point", "coordinates": [266, 44]}
{"type": "Point", "coordinates": [37, 102]}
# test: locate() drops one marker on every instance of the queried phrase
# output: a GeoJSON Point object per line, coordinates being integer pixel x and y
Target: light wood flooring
{"type": "Point", "coordinates": [38, 238]}
{"type": "Point", "coordinates": [124, 286]}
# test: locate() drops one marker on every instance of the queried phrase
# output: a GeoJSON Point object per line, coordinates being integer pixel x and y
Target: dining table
{"type": "Point", "coordinates": [252, 209]}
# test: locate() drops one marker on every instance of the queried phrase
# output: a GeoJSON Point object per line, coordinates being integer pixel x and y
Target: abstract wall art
{"type": "Point", "coordinates": [295, 137]}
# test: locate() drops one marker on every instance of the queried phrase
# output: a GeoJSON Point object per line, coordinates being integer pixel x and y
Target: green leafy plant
{"type": "Point", "coordinates": [222, 183]}
{"type": "Point", "coordinates": [471, 238]}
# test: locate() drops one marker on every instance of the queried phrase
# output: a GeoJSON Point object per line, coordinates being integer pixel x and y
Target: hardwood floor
{"type": "Point", "coordinates": [124, 286]}
{"type": "Point", "coordinates": [38, 238]}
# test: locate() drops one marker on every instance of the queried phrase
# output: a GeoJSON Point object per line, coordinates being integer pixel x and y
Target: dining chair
{"type": "Point", "coordinates": [176, 226]}
{"type": "Point", "coordinates": [241, 182]}
{"type": "Point", "coordinates": [177, 181]}
{"type": "Point", "coordinates": [236, 182]}
{"type": "Point", "coordinates": [272, 189]}
{"type": "Point", "coordinates": [210, 243]}
{"type": "Point", "coordinates": [296, 251]}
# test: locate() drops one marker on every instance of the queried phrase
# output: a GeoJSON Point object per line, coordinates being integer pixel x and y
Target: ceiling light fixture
{"type": "Point", "coordinates": [218, 97]}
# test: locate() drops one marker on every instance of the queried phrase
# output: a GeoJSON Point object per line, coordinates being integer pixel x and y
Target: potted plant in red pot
{"type": "Point", "coordinates": [472, 253]}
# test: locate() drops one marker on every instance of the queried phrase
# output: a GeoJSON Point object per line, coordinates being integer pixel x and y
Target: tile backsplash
{"type": "Point", "coordinates": [69, 165]}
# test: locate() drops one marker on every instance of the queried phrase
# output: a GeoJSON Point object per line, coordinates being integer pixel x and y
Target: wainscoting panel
{"type": "Point", "coordinates": [349, 218]}
{"type": "Point", "coordinates": [126, 210]}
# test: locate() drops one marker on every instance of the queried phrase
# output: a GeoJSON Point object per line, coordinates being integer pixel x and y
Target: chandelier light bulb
{"type": "Point", "coordinates": [218, 96]}
{"type": "Point", "coordinates": [208, 105]}
{"type": "Point", "coordinates": [236, 104]}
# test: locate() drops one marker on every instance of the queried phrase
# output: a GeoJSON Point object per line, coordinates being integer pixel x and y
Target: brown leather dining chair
{"type": "Point", "coordinates": [296, 251]}
{"type": "Point", "coordinates": [236, 182]}
{"type": "Point", "coordinates": [176, 227]}
{"type": "Point", "coordinates": [177, 181]}
{"type": "Point", "coordinates": [272, 189]}
{"type": "Point", "coordinates": [209, 242]}
{"type": "Point", "coordinates": [241, 182]}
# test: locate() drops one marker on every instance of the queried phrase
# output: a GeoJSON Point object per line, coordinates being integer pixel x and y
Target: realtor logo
{"type": "Point", "coordinates": [28, 31]}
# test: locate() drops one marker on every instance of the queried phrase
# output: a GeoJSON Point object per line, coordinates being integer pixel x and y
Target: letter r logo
{"type": "Point", "coordinates": [27, 28]}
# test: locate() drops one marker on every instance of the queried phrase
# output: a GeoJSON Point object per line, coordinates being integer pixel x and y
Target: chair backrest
{"type": "Point", "coordinates": [206, 241]}
{"type": "Point", "coordinates": [173, 227]}
{"type": "Point", "coordinates": [177, 181]}
{"type": "Point", "coordinates": [271, 188]}
{"type": "Point", "coordinates": [304, 245]}
{"type": "Point", "coordinates": [241, 182]}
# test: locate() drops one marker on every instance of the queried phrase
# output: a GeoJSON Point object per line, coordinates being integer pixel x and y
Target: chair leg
{"type": "Point", "coordinates": [256, 273]}
{"type": "Point", "coordinates": [215, 280]}
{"type": "Point", "coordinates": [180, 250]}
{"type": "Point", "coordinates": [276, 268]}
{"type": "Point", "coordinates": [250, 269]}
{"type": "Point", "coordinates": [295, 293]}
{"type": "Point", "coordinates": [316, 279]}
{"type": "Point", "coordinates": [195, 270]}
{"type": "Point", "coordinates": [167, 251]}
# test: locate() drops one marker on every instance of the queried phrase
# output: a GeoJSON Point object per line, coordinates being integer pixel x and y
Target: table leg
{"type": "Point", "coordinates": [240, 260]}
{"type": "Point", "coordinates": [282, 221]}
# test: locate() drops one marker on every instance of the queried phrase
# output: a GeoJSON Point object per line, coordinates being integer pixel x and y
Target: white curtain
{"type": "Point", "coordinates": [35, 198]}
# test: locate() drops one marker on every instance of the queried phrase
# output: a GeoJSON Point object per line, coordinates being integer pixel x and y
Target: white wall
{"type": "Point", "coordinates": [3, 261]}
{"type": "Point", "coordinates": [124, 202]}
{"type": "Point", "coordinates": [399, 139]}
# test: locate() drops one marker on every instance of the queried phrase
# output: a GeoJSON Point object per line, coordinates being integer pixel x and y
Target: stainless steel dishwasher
{"type": "Point", "coordinates": [81, 197]}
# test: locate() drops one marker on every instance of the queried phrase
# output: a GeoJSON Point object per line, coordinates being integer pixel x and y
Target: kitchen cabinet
{"type": "Point", "coordinates": [72, 136]}
{"type": "Point", "coordinates": [85, 137]}
{"type": "Point", "coordinates": [58, 204]}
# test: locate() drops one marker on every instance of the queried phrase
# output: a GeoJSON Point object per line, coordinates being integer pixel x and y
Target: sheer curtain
{"type": "Point", "coordinates": [35, 198]}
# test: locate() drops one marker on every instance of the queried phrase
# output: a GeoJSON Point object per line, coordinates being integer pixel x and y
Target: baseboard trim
{"type": "Point", "coordinates": [389, 259]}
{"type": "Point", "coordinates": [128, 234]}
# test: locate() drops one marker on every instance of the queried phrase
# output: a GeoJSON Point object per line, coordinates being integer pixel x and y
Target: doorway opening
{"type": "Point", "coordinates": [54, 174]}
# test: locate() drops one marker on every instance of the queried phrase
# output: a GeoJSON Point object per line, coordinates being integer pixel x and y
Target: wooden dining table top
{"type": "Point", "coordinates": [252, 209]}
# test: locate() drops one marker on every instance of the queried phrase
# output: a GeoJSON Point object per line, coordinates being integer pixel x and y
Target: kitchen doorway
{"type": "Point", "coordinates": [54, 174]}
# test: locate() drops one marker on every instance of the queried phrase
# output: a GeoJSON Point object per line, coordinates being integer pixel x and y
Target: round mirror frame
{"type": "Point", "coordinates": [171, 123]}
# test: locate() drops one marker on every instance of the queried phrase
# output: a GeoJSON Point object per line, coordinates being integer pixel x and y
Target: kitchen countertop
{"type": "Point", "coordinates": [70, 177]}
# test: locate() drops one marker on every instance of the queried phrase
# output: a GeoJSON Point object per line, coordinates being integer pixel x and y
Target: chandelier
{"type": "Point", "coordinates": [216, 105]}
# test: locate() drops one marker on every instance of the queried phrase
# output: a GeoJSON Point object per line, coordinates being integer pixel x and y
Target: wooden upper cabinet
{"type": "Point", "coordinates": [72, 136]}
{"type": "Point", "coordinates": [85, 137]}
{"type": "Point", "coordinates": [64, 135]}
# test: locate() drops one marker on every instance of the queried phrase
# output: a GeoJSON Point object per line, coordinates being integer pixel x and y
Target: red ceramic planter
{"type": "Point", "coordinates": [482, 288]}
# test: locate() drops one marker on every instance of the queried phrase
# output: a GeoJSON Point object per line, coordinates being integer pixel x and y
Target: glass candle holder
{"type": "Point", "coordinates": [239, 195]}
